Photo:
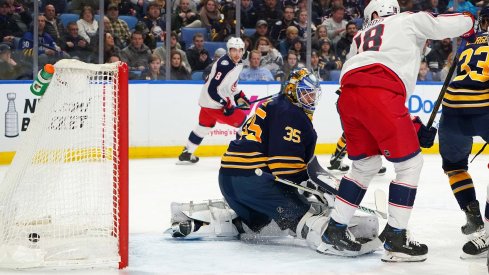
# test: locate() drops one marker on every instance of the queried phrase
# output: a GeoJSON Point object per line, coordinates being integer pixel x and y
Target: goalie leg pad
{"type": "Point", "coordinates": [364, 227]}
{"type": "Point", "coordinates": [210, 219]}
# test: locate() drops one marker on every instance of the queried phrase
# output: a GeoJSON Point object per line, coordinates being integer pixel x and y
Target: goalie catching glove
{"type": "Point", "coordinates": [242, 101]}
{"type": "Point", "coordinates": [426, 136]}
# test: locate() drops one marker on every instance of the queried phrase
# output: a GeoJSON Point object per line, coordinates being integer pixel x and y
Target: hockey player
{"type": "Point", "coordinates": [375, 83]}
{"type": "Point", "coordinates": [279, 139]}
{"type": "Point", "coordinates": [465, 114]}
{"type": "Point", "coordinates": [219, 98]}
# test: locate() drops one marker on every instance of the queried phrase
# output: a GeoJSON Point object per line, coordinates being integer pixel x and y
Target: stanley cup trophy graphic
{"type": "Point", "coordinates": [11, 117]}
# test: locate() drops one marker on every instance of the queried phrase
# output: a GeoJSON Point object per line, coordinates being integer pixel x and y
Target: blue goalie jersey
{"type": "Point", "coordinates": [468, 93]}
{"type": "Point", "coordinates": [279, 139]}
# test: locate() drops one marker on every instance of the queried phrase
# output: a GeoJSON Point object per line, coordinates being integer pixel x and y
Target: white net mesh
{"type": "Point", "coordinates": [59, 199]}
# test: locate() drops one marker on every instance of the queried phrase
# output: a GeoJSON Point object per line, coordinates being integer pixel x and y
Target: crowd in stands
{"type": "Point", "coordinates": [274, 32]}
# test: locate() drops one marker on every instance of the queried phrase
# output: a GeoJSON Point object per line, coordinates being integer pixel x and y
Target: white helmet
{"type": "Point", "coordinates": [381, 7]}
{"type": "Point", "coordinates": [236, 43]}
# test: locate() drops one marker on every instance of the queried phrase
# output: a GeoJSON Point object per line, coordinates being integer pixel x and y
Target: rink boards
{"type": "Point", "coordinates": [162, 114]}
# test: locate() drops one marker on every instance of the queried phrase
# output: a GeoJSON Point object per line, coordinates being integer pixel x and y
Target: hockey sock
{"type": "Point", "coordinates": [196, 137]}
{"type": "Point", "coordinates": [462, 187]}
{"type": "Point", "coordinates": [339, 146]}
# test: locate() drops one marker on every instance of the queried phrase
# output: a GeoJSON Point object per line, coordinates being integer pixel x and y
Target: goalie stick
{"type": "Point", "coordinates": [315, 171]}
{"type": "Point", "coordinates": [319, 193]}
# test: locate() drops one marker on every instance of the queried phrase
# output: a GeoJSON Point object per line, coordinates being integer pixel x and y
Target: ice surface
{"type": "Point", "coordinates": [155, 183]}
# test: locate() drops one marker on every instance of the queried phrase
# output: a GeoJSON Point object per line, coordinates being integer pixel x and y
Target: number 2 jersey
{"type": "Point", "coordinates": [468, 93]}
{"type": "Point", "coordinates": [221, 84]}
{"type": "Point", "coordinates": [379, 42]}
{"type": "Point", "coordinates": [279, 139]}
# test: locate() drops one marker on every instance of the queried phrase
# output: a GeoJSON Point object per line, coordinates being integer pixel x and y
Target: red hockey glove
{"type": "Point", "coordinates": [228, 107]}
{"type": "Point", "coordinates": [426, 136]}
{"type": "Point", "coordinates": [242, 101]}
{"type": "Point", "coordinates": [470, 35]}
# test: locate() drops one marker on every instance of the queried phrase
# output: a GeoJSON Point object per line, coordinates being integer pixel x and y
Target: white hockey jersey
{"type": "Point", "coordinates": [396, 42]}
{"type": "Point", "coordinates": [221, 84]}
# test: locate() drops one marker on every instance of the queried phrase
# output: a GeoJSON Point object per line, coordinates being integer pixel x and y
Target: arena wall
{"type": "Point", "coordinates": [162, 114]}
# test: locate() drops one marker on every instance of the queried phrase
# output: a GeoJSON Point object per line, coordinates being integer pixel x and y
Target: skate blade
{"type": "Point", "coordinates": [481, 255]}
{"type": "Point", "coordinates": [184, 162]}
{"type": "Point", "coordinates": [367, 248]}
{"type": "Point", "coordinates": [396, 257]}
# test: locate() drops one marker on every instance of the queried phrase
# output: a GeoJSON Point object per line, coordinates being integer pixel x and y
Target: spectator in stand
{"type": "Point", "coordinates": [291, 63]}
{"type": "Point", "coordinates": [174, 46]}
{"type": "Point", "coordinates": [300, 50]}
{"type": "Point", "coordinates": [59, 5]}
{"type": "Point", "coordinates": [120, 29]}
{"type": "Point", "coordinates": [184, 16]}
{"type": "Point", "coordinates": [178, 71]}
{"type": "Point", "coordinates": [328, 57]}
{"type": "Point", "coordinates": [406, 5]}
{"type": "Point", "coordinates": [438, 56]}
{"type": "Point", "coordinates": [261, 28]}
{"type": "Point", "coordinates": [9, 69]}
{"type": "Point", "coordinates": [292, 34]}
{"type": "Point", "coordinates": [431, 6]}
{"type": "Point", "coordinates": [48, 51]}
{"type": "Point", "coordinates": [136, 55]}
{"type": "Point", "coordinates": [279, 30]}
{"type": "Point", "coordinates": [209, 14]}
{"type": "Point", "coordinates": [20, 14]}
{"type": "Point", "coordinates": [246, 51]}
{"type": "Point", "coordinates": [226, 27]}
{"type": "Point", "coordinates": [110, 49]}
{"type": "Point", "coordinates": [87, 25]}
{"type": "Point", "coordinates": [353, 9]}
{"type": "Point", "coordinates": [8, 27]}
{"type": "Point", "coordinates": [302, 23]}
{"type": "Point", "coordinates": [423, 72]}
{"type": "Point", "coordinates": [255, 72]}
{"type": "Point", "coordinates": [198, 57]}
{"type": "Point", "coordinates": [270, 12]}
{"type": "Point", "coordinates": [343, 45]}
{"type": "Point", "coordinates": [315, 19]}
{"type": "Point", "coordinates": [336, 24]}
{"type": "Point", "coordinates": [155, 70]}
{"type": "Point", "coordinates": [76, 6]}
{"type": "Point", "coordinates": [321, 32]}
{"type": "Point", "coordinates": [154, 23]}
{"type": "Point", "coordinates": [217, 54]}
{"type": "Point", "coordinates": [463, 6]}
{"type": "Point", "coordinates": [444, 72]}
{"type": "Point", "coordinates": [53, 25]}
{"type": "Point", "coordinates": [113, 58]}
{"type": "Point", "coordinates": [76, 45]}
{"type": "Point", "coordinates": [249, 15]}
{"type": "Point", "coordinates": [270, 57]}
{"type": "Point", "coordinates": [318, 68]}
{"type": "Point", "coordinates": [162, 6]}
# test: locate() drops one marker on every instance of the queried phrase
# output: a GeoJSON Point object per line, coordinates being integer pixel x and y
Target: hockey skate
{"type": "Point", "coordinates": [400, 248]}
{"type": "Point", "coordinates": [337, 240]}
{"type": "Point", "coordinates": [476, 248]}
{"type": "Point", "coordinates": [187, 158]}
{"type": "Point", "coordinates": [474, 219]}
{"type": "Point", "coordinates": [337, 165]}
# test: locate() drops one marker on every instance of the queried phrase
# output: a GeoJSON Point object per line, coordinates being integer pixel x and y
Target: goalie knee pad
{"type": "Point", "coordinates": [210, 219]}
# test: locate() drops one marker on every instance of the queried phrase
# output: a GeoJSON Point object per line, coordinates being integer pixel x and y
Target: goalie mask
{"type": "Point", "coordinates": [382, 8]}
{"type": "Point", "coordinates": [303, 90]}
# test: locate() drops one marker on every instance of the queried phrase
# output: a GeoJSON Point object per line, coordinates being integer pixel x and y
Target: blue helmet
{"type": "Point", "coordinates": [303, 90]}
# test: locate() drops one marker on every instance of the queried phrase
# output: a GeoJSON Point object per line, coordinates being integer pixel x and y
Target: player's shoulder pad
{"type": "Point", "coordinates": [224, 61]}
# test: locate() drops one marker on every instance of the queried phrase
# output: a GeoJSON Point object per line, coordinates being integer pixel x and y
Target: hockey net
{"type": "Point", "coordinates": [63, 201]}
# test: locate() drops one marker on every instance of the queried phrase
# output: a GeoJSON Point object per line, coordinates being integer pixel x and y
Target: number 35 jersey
{"type": "Point", "coordinates": [397, 41]}
{"type": "Point", "coordinates": [468, 93]}
{"type": "Point", "coordinates": [279, 138]}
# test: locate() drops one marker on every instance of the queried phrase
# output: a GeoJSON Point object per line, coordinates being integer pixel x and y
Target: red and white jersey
{"type": "Point", "coordinates": [221, 83]}
{"type": "Point", "coordinates": [396, 42]}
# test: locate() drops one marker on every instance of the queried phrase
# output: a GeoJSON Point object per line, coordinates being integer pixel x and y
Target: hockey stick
{"type": "Point", "coordinates": [320, 195]}
{"type": "Point", "coordinates": [442, 92]}
{"type": "Point", "coordinates": [248, 105]}
{"type": "Point", "coordinates": [336, 157]}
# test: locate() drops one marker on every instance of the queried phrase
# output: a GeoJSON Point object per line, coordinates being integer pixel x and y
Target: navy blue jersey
{"type": "Point", "coordinates": [468, 93]}
{"type": "Point", "coordinates": [279, 138]}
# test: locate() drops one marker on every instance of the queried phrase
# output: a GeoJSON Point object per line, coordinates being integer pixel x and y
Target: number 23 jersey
{"type": "Point", "coordinates": [396, 42]}
{"type": "Point", "coordinates": [279, 139]}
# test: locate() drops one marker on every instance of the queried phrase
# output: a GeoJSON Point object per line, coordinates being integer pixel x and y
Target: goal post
{"type": "Point", "coordinates": [64, 199]}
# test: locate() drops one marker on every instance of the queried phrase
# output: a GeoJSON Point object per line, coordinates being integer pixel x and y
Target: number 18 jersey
{"type": "Point", "coordinates": [396, 42]}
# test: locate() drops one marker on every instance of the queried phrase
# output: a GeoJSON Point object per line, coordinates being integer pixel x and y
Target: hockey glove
{"type": "Point", "coordinates": [242, 101]}
{"type": "Point", "coordinates": [426, 136]}
{"type": "Point", "coordinates": [228, 107]}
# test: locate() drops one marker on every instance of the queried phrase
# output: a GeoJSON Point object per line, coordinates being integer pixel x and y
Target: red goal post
{"type": "Point", "coordinates": [64, 199]}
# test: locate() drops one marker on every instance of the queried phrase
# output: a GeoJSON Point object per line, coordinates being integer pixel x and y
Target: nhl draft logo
{"type": "Point", "coordinates": [11, 117]}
